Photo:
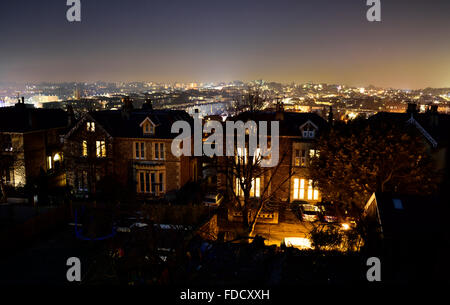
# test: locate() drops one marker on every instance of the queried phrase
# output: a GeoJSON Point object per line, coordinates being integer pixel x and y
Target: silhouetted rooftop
{"type": "Point", "coordinates": [118, 124]}
{"type": "Point", "coordinates": [20, 118]}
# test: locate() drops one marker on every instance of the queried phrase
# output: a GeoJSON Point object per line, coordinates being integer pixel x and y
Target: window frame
{"type": "Point", "coordinates": [84, 148]}
{"type": "Point", "coordinates": [148, 128]}
{"type": "Point", "coordinates": [100, 148]}
{"type": "Point", "coordinates": [139, 150]}
{"type": "Point", "coordinates": [159, 151]}
{"type": "Point", "coordinates": [303, 189]}
{"type": "Point", "coordinates": [90, 126]}
{"type": "Point", "coordinates": [149, 182]}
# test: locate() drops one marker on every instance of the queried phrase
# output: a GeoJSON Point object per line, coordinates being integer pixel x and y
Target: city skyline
{"type": "Point", "coordinates": [287, 41]}
{"type": "Point", "coordinates": [195, 84]}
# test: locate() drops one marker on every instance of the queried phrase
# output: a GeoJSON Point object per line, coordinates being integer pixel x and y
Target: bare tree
{"type": "Point", "coordinates": [241, 173]}
{"type": "Point", "coordinates": [361, 157]}
{"type": "Point", "coordinates": [252, 100]}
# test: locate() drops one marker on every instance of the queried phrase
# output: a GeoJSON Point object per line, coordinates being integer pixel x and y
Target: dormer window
{"type": "Point", "coordinates": [90, 126]}
{"type": "Point", "coordinates": [308, 133]}
{"type": "Point", "coordinates": [148, 127]}
{"type": "Point", "coordinates": [308, 130]}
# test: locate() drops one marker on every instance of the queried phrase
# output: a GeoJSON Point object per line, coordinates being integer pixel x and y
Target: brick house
{"type": "Point", "coordinates": [297, 138]}
{"type": "Point", "coordinates": [31, 139]}
{"type": "Point", "coordinates": [131, 145]}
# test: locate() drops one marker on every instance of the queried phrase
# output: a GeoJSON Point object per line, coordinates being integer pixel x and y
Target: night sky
{"type": "Point", "coordinates": [320, 41]}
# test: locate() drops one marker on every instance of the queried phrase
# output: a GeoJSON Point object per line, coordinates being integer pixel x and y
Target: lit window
{"type": "Point", "coordinates": [100, 149]}
{"type": "Point", "coordinates": [312, 153]}
{"type": "Point", "coordinates": [49, 162]}
{"type": "Point", "coordinates": [238, 189]}
{"type": "Point", "coordinates": [57, 157]}
{"type": "Point", "coordinates": [297, 157]}
{"type": "Point", "coordinates": [84, 149]}
{"type": "Point", "coordinates": [310, 190]}
{"type": "Point", "coordinates": [90, 126]}
{"type": "Point", "coordinates": [300, 157]}
{"type": "Point", "coordinates": [313, 193]}
{"type": "Point", "coordinates": [256, 188]}
{"type": "Point", "coordinates": [241, 155]}
{"type": "Point", "coordinates": [257, 155]}
{"type": "Point", "coordinates": [303, 158]}
{"type": "Point", "coordinates": [299, 188]}
{"type": "Point", "coordinates": [296, 181]}
{"type": "Point", "coordinates": [302, 188]}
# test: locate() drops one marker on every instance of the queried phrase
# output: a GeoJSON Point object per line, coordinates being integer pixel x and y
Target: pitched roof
{"type": "Point", "coordinates": [118, 124]}
{"type": "Point", "coordinates": [406, 214]}
{"type": "Point", "coordinates": [435, 124]}
{"type": "Point", "coordinates": [289, 125]}
{"type": "Point", "coordinates": [19, 118]}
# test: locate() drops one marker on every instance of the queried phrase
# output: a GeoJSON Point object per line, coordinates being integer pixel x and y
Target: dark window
{"type": "Point", "coordinates": [161, 182]}
{"type": "Point", "coordinates": [147, 182]}
{"type": "Point", "coordinates": [156, 151]}
{"type": "Point", "coordinates": [161, 150]}
{"type": "Point", "coordinates": [142, 181]}
{"type": "Point", "coordinates": [153, 183]}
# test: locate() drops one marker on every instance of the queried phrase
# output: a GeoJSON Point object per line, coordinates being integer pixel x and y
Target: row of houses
{"type": "Point", "coordinates": [133, 146]}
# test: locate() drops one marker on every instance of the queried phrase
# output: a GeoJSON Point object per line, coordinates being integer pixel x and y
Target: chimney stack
{"type": "Point", "coordinates": [70, 115]}
{"type": "Point", "coordinates": [412, 108]}
{"type": "Point", "coordinates": [148, 105]}
{"type": "Point", "coordinates": [279, 113]}
{"type": "Point", "coordinates": [330, 116]}
{"type": "Point", "coordinates": [127, 107]}
{"type": "Point", "coordinates": [434, 115]}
